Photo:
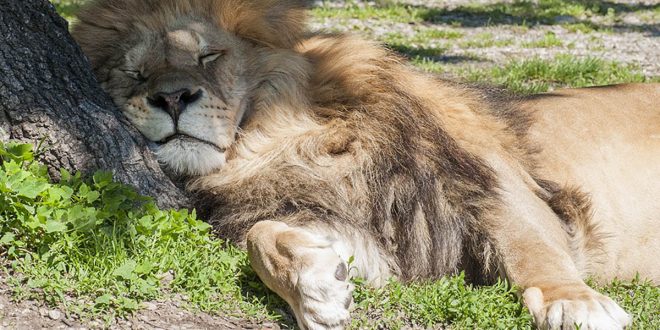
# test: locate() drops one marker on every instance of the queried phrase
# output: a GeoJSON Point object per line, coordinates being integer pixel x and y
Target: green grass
{"type": "Point", "coordinates": [516, 12]}
{"type": "Point", "coordinates": [446, 302]}
{"type": "Point", "coordinates": [549, 40]}
{"type": "Point", "coordinates": [68, 8]}
{"type": "Point", "coordinates": [581, 28]}
{"type": "Point", "coordinates": [537, 12]}
{"type": "Point", "coordinates": [641, 299]}
{"type": "Point", "coordinates": [391, 12]}
{"type": "Point", "coordinates": [485, 40]}
{"type": "Point", "coordinates": [104, 245]}
{"type": "Point", "coordinates": [538, 75]}
{"type": "Point", "coordinates": [424, 36]}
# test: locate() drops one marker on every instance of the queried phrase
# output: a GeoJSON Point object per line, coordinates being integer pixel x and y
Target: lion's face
{"type": "Point", "coordinates": [186, 72]}
{"type": "Point", "coordinates": [186, 89]}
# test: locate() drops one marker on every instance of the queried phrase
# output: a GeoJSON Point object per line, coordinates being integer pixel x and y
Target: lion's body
{"type": "Point", "coordinates": [312, 149]}
{"type": "Point", "coordinates": [606, 140]}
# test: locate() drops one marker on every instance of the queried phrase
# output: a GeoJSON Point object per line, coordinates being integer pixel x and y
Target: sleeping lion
{"type": "Point", "coordinates": [309, 148]}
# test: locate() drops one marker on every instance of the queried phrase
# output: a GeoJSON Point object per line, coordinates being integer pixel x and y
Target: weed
{"type": "Point", "coordinates": [392, 12]}
{"type": "Point", "coordinates": [549, 40]}
{"type": "Point", "coordinates": [448, 301]}
{"type": "Point", "coordinates": [101, 241]}
{"type": "Point", "coordinates": [538, 75]}
{"type": "Point", "coordinates": [485, 40]}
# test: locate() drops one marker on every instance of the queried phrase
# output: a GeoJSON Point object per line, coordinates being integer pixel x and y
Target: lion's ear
{"type": "Point", "coordinates": [276, 23]}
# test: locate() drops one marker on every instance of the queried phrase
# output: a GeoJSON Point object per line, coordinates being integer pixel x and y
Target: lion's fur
{"type": "Point", "coordinates": [422, 177]}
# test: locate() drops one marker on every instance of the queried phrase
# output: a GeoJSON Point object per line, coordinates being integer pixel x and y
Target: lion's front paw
{"type": "Point", "coordinates": [573, 306]}
{"type": "Point", "coordinates": [324, 292]}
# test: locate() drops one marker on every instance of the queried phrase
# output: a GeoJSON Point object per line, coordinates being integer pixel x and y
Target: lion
{"type": "Point", "coordinates": [310, 148]}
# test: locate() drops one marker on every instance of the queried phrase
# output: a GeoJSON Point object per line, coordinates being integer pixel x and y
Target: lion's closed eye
{"type": "Point", "coordinates": [135, 74]}
{"type": "Point", "coordinates": [210, 56]}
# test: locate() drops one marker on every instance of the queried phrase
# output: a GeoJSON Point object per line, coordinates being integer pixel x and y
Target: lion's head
{"type": "Point", "coordinates": [187, 72]}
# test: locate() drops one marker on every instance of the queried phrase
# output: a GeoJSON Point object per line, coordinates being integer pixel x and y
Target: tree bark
{"type": "Point", "coordinates": [48, 91]}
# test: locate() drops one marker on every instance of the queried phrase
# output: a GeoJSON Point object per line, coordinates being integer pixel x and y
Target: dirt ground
{"type": "Point", "coordinates": [155, 315]}
{"type": "Point", "coordinates": [632, 39]}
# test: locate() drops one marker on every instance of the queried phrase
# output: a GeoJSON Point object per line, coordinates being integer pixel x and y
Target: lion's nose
{"type": "Point", "coordinates": [174, 103]}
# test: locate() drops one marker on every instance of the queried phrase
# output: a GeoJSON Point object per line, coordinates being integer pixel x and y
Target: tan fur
{"type": "Point", "coordinates": [310, 149]}
{"type": "Point", "coordinates": [609, 148]}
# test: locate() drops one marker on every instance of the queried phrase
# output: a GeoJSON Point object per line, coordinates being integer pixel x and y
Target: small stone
{"type": "Point", "coordinates": [269, 326]}
{"type": "Point", "coordinates": [632, 20]}
{"type": "Point", "coordinates": [55, 314]}
{"type": "Point", "coordinates": [43, 312]}
{"type": "Point", "coordinates": [149, 306]}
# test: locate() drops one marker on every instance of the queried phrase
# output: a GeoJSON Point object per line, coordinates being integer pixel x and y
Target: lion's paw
{"type": "Point", "coordinates": [324, 292]}
{"type": "Point", "coordinates": [574, 307]}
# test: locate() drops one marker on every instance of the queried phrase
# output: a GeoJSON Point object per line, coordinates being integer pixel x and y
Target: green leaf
{"type": "Point", "coordinates": [53, 226]}
{"type": "Point", "coordinates": [83, 190]}
{"type": "Point", "coordinates": [128, 304]}
{"type": "Point", "coordinates": [125, 271]}
{"type": "Point", "coordinates": [102, 178]}
{"type": "Point", "coordinates": [202, 226]}
{"type": "Point", "coordinates": [60, 193]}
{"type": "Point", "coordinates": [17, 176]}
{"type": "Point", "coordinates": [103, 300]}
{"type": "Point", "coordinates": [93, 196]}
{"type": "Point", "coordinates": [65, 176]}
{"type": "Point", "coordinates": [31, 189]}
{"type": "Point", "coordinates": [7, 238]}
{"type": "Point", "coordinates": [144, 268]}
{"type": "Point", "coordinates": [21, 152]}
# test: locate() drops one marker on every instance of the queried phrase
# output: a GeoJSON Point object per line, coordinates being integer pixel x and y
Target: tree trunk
{"type": "Point", "coordinates": [48, 91]}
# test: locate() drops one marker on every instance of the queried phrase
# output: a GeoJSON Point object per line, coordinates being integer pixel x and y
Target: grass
{"type": "Point", "coordinates": [517, 12]}
{"type": "Point", "coordinates": [448, 302]}
{"type": "Point", "coordinates": [68, 8]}
{"type": "Point", "coordinates": [97, 249]}
{"type": "Point", "coordinates": [423, 36]}
{"type": "Point", "coordinates": [549, 40]}
{"type": "Point", "coordinates": [391, 12]}
{"type": "Point", "coordinates": [485, 40]}
{"type": "Point", "coordinates": [539, 12]}
{"type": "Point", "coordinates": [540, 75]}
{"type": "Point", "coordinates": [109, 248]}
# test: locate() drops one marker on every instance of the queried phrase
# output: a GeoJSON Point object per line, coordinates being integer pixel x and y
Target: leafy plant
{"type": "Point", "coordinates": [102, 243]}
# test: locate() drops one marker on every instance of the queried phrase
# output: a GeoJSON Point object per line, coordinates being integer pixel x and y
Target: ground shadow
{"type": "Point", "coordinates": [252, 288]}
{"type": "Point", "coordinates": [435, 54]}
{"type": "Point", "coordinates": [530, 13]}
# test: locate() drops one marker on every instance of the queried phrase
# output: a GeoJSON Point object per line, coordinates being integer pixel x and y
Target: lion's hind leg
{"type": "Point", "coordinates": [305, 269]}
{"type": "Point", "coordinates": [535, 251]}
